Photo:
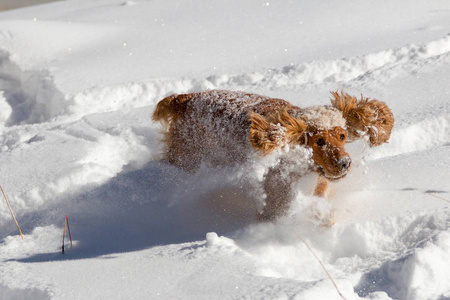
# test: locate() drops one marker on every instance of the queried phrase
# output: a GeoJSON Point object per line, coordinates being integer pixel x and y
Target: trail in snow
{"type": "Point", "coordinates": [28, 90]}
{"type": "Point", "coordinates": [341, 70]}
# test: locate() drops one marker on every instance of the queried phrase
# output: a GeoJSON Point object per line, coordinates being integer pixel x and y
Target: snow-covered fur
{"type": "Point", "coordinates": [227, 127]}
{"type": "Point", "coordinates": [322, 117]}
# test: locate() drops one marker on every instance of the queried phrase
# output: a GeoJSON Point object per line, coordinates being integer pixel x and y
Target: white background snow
{"type": "Point", "coordinates": [79, 80]}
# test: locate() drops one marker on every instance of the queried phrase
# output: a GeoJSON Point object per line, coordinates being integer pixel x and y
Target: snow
{"type": "Point", "coordinates": [78, 82]}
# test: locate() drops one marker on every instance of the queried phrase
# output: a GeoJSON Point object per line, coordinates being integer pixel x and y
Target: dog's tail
{"type": "Point", "coordinates": [169, 109]}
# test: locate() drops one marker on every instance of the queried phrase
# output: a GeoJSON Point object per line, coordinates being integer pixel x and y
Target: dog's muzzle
{"type": "Point", "coordinates": [344, 164]}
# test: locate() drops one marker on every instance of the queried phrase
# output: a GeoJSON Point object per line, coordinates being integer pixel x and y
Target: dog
{"type": "Point", "coordinates": [222, 128]}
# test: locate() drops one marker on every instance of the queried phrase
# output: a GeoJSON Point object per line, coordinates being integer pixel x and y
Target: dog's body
{"type": "Point", "coordinates": [225, 127]}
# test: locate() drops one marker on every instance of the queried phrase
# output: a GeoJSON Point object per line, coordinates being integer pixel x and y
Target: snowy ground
{"type": "Point", "coordinates": [79, 80]}
{"type": "Point", "coordinates": [14, 4]}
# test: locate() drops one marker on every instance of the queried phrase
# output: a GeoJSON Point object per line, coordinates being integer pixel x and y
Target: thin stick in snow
{"type": "Point", "coordinates": [439, 197]}
{"type": "Point", "coordinates": [321, 264]}
{"type": "Point", "coordinates": [12, 214]}
{"type": "Point", "coordinates": [66, 221]}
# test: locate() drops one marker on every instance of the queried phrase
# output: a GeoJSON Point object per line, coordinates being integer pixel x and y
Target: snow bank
{"type": "Point", "coordinates": [420, 275]}
{"type": "Point", "coordinates": [341, 70]}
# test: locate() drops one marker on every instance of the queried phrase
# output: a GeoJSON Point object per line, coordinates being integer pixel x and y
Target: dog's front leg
{"type": "Point", "coordinates": [322, 187]}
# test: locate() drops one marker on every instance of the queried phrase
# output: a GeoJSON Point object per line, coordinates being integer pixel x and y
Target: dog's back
{"type": "Point", "coordinates": [211, 127]}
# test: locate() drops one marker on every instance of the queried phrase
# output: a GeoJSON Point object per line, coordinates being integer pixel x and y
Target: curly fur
{"type": "Point", "coordinates": [365, 117]}
{"type": "Point", "coordinates": [267, 134]}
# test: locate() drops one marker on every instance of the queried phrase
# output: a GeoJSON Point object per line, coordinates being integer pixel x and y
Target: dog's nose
{"type": "Point", "coordinates": [345, 162]}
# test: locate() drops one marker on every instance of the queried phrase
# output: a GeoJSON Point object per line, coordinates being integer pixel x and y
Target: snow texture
{"type": "Point", "coordinates": [78, 82]}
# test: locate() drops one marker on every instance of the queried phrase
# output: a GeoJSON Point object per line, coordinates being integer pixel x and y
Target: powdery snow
{"type": "Point", "coordinates": [78, 82]}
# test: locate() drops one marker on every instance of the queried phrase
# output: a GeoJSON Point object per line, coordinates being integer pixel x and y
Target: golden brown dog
{"type": "Point", "coordinates": [225, 127]}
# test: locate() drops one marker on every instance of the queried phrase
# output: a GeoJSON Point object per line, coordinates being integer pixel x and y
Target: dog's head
{"type": "Point", "coordinates": [326, 135]}
{"type": "Point", "coordinates": [321, 128]}
{"type": "Point", "coordinates": [329, 153]}
{"type": "Point", "coordinates": [325, 129]}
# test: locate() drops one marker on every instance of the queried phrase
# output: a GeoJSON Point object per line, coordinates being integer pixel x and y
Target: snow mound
{"type": "Point", "coordinates": [26, 96]}
{"type": "Point", "coordinates": [341, 70]}
{"type": "Point", "coordinates": [429, 133]}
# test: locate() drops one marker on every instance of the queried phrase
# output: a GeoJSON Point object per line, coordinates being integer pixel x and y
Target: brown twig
{"type": "Point", "coordinates": [439, 197]}
{"type": "Point", "coordinates": [68, 228]}
{"type": "Point", "coordinates": [66, 221]}
{"type": "Point", "coordinates": [321, 264]}
{"type": "Point", "coordinates": [12, 214]}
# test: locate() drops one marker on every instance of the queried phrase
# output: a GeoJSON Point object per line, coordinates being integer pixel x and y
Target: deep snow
{"type": "Point", "coordinates": [78, 82]}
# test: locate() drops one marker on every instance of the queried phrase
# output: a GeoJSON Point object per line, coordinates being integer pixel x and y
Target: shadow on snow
{"type": "Point", "coordinates": [155, 205]}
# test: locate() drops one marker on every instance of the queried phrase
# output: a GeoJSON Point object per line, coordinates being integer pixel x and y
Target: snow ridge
{"type": "Point", "coordinates": [427, 134]}
{"type": "Point", "coordinates": [36, 99]}
{"type": "Point", "coordinates": [132, 95]}
{"type": "Point", "coordinates": [341, 70]}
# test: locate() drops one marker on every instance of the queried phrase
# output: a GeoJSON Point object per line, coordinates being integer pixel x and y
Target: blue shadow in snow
{"type": "Point", "coordinates": [155, 205]}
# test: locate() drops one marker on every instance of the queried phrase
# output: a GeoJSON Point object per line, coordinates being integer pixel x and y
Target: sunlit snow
{"type": "Point", "coordinates": [79, 81]}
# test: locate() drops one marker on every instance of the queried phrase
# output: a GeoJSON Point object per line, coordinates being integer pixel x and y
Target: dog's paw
{"type": "Point", "coordinates": [321, 218]}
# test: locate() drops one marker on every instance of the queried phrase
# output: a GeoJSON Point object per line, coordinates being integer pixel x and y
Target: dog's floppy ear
{"type": "Point", "coordinates": [269, 133]}
{"type": "Point", "coordinates": [365, 117]}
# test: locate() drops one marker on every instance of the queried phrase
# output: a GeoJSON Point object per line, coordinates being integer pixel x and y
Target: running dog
{"type": "Point", "coordinates": [220, 128]}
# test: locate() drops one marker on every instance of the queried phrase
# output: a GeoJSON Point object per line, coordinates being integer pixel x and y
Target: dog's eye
{"type": "Point", "coordinates": [320, 142]}
{"type": "Point", "coordinates": [342, 137]}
